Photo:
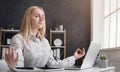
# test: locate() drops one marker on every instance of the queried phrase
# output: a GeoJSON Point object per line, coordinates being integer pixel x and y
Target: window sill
{"type": "Point", "coordinates": [110, 49]}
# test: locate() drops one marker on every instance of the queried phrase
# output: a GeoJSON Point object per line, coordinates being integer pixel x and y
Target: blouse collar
{"type": "Point", "coordinates": [31, 36]}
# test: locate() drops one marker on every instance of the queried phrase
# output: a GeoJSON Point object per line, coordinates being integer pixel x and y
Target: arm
{"type": "Point", "coordinates": [14, 56]}
{"type": "Point", "coordinates": [67, 62]}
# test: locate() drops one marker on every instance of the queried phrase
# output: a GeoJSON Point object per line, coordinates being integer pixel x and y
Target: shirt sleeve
{"type": "Point", "coordinates": [67, 62]}
{"type": "Point", "coordinates": [17, 45]}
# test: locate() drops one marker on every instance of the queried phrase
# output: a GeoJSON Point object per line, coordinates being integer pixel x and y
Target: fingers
{"type": "Point", "coordinates": [78, 50]}
{"type": "Point", "coordinates": [9, 51]}
{"type": "Point", "coordinates": [83, 49]}
{"type": "Point", "coordinates": [81, 52]}
{"type": "Point", "coordinates": [10, 55]}
{"type": "Point", "coordinates": [6, 56]}
{"type": "Point", "coordinates": [16, 58]}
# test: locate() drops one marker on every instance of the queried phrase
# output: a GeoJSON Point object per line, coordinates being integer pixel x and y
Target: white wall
{"type": "Point", "coordinates": [97, 20]}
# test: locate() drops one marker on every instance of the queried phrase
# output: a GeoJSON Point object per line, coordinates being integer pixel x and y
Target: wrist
{"type": "Point", "coordinates": [10, 67]}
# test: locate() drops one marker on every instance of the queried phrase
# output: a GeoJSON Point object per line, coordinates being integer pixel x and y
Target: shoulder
{"type": "Point", "coordinates": [17, 41]}
{"type": "Point", "coordinates": [17, 37]}
{"type": "Point", "coordinates": [45, 40]}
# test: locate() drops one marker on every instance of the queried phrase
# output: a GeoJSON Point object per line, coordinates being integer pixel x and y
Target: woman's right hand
{"type": "Point", "coordinates": [11, 57]}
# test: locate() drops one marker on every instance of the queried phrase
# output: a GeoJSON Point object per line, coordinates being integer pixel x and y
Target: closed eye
{"type": "Point", "coordinates": [37, 16]}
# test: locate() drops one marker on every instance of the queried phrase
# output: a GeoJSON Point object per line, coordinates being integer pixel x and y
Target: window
{"type": "Point", "coordinates": [111, 23]}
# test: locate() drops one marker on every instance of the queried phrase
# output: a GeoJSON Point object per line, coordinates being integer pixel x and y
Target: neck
{"type": "Point", "coordinates": [34, 31]}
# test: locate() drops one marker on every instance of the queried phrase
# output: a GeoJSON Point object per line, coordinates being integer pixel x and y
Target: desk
{"type": "Point", "coordinates": [95, 69]}
{"type": "Point", "coordinates": [108, 69]}
{"type": "Point", "coordinates": [4, 68]}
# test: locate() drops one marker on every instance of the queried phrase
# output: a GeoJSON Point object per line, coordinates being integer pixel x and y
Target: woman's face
{"type": "Point", "coordinates": [37, 18]}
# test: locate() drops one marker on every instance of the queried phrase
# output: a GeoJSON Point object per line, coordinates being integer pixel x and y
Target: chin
{"type": "Point", "coordinates": [40, 27]}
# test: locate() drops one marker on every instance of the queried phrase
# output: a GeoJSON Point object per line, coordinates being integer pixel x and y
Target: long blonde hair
{"type": "Point", "coordinates": [26, 24]}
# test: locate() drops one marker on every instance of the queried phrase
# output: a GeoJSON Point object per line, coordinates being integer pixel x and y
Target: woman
{"type": "Point", "coordinates": [30, 48]}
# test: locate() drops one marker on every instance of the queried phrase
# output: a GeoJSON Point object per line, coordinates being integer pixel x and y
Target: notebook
{"type": "Point", "coordinates": [90, 56]}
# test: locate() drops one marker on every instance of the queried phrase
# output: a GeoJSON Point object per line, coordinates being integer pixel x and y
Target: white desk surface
{"type": "Point", "coordinates": [95, 69]}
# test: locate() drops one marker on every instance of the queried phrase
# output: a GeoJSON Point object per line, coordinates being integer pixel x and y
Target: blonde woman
{"type": "Point", "coordinates": [30, 48]}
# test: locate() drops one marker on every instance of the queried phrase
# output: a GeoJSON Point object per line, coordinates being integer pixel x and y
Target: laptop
{"type": "Point", "coordinates": [90, 57]}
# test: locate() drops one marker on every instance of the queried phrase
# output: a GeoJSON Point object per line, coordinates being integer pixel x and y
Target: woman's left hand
{"type": "Point", "coordinates": [79, 53]}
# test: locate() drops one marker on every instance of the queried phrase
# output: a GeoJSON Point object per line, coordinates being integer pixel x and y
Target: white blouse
{"type": "Point", "coordinates": [38, 53]}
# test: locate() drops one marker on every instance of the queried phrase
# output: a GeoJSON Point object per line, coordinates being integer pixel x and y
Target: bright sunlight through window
{"type": "Point", "coordinates": [111, 23]}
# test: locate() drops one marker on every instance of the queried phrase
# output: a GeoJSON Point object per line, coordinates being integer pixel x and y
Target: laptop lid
{"type": "Point", "coordinates": [91, 55]}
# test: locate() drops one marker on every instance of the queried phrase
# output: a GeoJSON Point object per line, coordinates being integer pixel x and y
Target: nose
{"type": "Point", "coordinates": [41, 18]}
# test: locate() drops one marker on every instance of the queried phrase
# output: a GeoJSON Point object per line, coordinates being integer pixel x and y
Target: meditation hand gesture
{"type": "Point", "coordinates": [11, 57]}
{"type": "Point", "coordinates": [79, 53]}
